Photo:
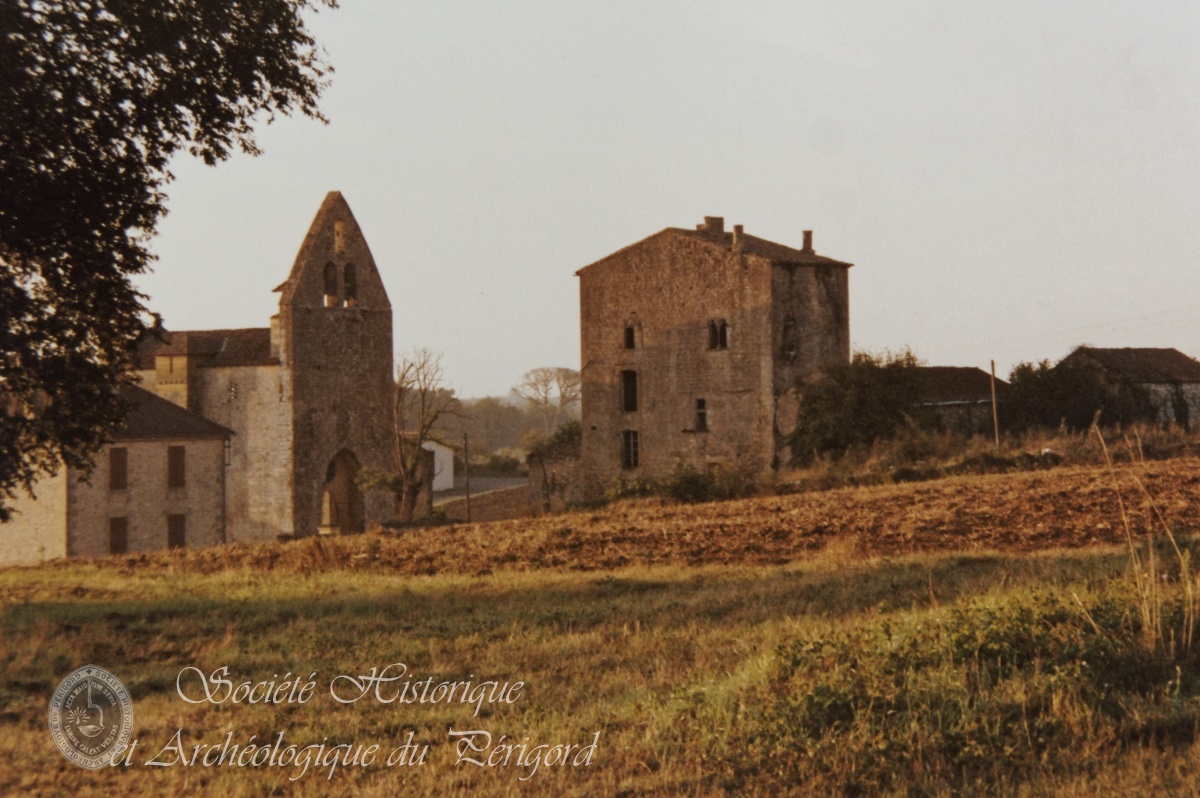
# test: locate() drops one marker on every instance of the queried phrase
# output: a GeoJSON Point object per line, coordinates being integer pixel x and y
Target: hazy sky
{"type": "Point", "coordinates": [1010, 179]}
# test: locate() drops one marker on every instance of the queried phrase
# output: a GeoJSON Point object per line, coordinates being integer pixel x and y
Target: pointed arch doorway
{"type": "Point", "coordinates": [342, 508]}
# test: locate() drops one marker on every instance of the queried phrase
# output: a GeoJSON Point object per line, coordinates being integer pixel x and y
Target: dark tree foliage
{"type": "Point", "coordinates": [855, 404]}
{"type": "Point", "coordinates": [96, 96]}
{"type": "Point", "coordinates": [1041, 395]}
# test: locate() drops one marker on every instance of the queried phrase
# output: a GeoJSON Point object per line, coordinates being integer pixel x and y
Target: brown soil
{"type": "Point", "coordinates": [1062, 508]}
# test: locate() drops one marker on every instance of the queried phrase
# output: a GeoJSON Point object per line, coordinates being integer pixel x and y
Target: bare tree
{"type": "Point", "coordinates": [537, 387]}
{"type": "Point", "coordinates": [420, 403]}
{"type": "Point", "coordinates": [569, 386]}
{"type": "Point", "coordinates": [552, 391]}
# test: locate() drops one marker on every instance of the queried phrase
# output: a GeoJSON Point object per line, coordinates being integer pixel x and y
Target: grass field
{"type": "Point", "coordinates": [910, 639]}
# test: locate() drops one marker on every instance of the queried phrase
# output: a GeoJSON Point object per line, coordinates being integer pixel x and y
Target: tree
{"type": "Point", "coordinates": [96, 96]}
{"type": "Point", "coordinates": [1041, 395]}
{"type": "Point", "coordinates": [553, 391]}
{"type": "Point", "coordinates": [855, 403]}
{"type": "Point", "coordinates": [421, 402]}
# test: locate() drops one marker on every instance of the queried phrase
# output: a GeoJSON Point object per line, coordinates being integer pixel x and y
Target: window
{"type": "Point", "coordinates": [718, 334]}
{"type": "Point", "coordinates": [788, 340]}
{"type": "Point", "coordinates": [176, 475]}
{"type": "Point", "coordinates": [351, 280]}
{"type": "Point", "coordinates": [118, 535]}
{"type": "Point", "coordinates": [176, 535]}
{"type": "Point", "coordinates": [630, 337]}
{"type": "Point", "coordinates": [701, 416]}
{"type": "Point", "coordinates": [629, 449]}
{"type": "Point", "coordinates": [118, 468]}
{"type": "Point", "coordinates": [331, 286]}
{"type": "Point", "coordinates": [629, 391]}
{"type": "Point", "coordinates": [339, 236]}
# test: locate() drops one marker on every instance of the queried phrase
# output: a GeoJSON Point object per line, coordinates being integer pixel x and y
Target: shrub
{"type": "Point", "coordinates": [979, 695]}
{"type": "Point", "coordinates": [564, 442]}
{"type": "Point", "coordinates": [855, 404]}
{"type": "Point", "coordinates": [1041, 395]}
{"type": "Point", "coordinates": [691, 485]}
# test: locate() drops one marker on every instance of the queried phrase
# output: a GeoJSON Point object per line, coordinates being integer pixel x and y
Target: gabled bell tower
{"type": "Point", "coordinates": [334, 339]}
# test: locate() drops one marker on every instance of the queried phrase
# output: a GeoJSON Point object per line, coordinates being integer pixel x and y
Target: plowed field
{"type": "Point", "coordinates": [1062, 508]}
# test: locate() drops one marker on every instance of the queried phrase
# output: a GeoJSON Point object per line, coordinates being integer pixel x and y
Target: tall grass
{"type": "Point", "coordinates": [916, 454]}
{"type": "Point", "coordinates": [1149, 576]}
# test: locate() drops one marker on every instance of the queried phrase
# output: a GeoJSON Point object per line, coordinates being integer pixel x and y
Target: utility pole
{"type": "Point", "coordinates": [995, 414]}
{"type": "Point", "coordinates": [467, 471]}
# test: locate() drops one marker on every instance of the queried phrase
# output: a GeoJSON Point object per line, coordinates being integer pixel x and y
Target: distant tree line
{"type": "Point", "coordinates": [544, 400]}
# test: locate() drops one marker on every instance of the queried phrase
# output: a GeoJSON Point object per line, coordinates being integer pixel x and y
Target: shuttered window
{"type": "Point", "coordinates": [176, 473]}
{"type": "Point", "coordinates": [118, 468]}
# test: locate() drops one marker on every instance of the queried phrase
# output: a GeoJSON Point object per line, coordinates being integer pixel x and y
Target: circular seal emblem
{"type": "Point", "coordinates": [91, 717]}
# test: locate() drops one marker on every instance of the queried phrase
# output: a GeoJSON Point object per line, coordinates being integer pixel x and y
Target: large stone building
{"type": "Point", "coordinates": [693, 342]}
{"type": "Point", "coordinates": [160, 484]}
{"type": "Point", "coordinates": [307, 402]}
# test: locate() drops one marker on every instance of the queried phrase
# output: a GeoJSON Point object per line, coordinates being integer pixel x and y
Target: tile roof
{"type": "Point", "coordinates": [753, 245]}
{"type": "Point", "coordinates": [154, 417]}
{"type": "Point", "coordinates": [214, 348]}
{"type": "Point", "coordinates": [949, 384]}
{"type": "Point", "coordinates": [1140, 365]}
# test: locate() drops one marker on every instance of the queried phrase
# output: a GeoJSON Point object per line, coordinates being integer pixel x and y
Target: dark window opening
{"type": "Point", "coordinates": [629, 391]}
{"type": "Point", "coordinates": [701, 416]}
{"type": "Point", "coordinates": [630, 338]}
{"type": "Point", "coordinates": [718, 334]}
{"type": "Point", "coordinates": [118, 468]}
{"type": "Point", "coordinates": [788, 347]}
{"type": "Point", "coordinates": [118, 535]}
{"type": "Point", "coordinates": [176, 534]}
{"type": "Point", "coordinates": [176, 475]}
{"type": "Point", "coordinates": [331, 286]}
{"type": "Point", "coordinates": [351, 286]}
{"type": "Point", "coordinates": [629, 449]}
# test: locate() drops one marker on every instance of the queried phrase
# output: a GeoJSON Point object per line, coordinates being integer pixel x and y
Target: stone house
{"type": "Point", "coordinates": [160, 484]}
{"type": "Point", "coordinates": [1169, 378]}
{"type": "Point", "coordinates": [957, 398]}
{"type": "Point", "coordinates": [693, 342]}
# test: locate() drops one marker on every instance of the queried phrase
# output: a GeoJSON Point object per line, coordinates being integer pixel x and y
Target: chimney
{"type": "Point", "coordinates": [808, 241]}
{"type": "Point", "coordinates": [737, 238]}
{"type": "Point", "coordinates": [715, 225]}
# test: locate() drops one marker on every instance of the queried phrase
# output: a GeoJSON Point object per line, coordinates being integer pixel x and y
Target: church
{"type": "Point", "coordinates": [293, 410]}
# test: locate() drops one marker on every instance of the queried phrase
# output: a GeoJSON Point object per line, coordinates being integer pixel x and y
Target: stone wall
{"type": "Point", "coordinates": [668, 289]}
{"type": "Point", "coordinates": [254, 401]}
{"type": "Point", "coordinates": [780, 321]}
{"type": "Point", "coordinates": [38, 528]}
{"type": "Point", "coordinates": [555, 483]}
{"type": "Point", "coordinates": [1176, 403]}
{"type": "Point", "coordinates": [336, 348]}
{"type": "Point", "coordinates": [148, 500]}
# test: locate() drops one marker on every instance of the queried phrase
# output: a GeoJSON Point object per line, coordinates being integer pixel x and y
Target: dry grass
{"type": "Point", "coordinates": [655, 624]}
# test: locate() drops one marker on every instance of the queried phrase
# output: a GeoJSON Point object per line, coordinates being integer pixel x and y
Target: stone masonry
{"type": "Point", "coordinates": [309, 398]}
{"type": "Point", "coordinates": [693, 342]}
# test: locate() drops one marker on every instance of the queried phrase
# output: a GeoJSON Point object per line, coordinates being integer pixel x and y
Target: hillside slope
{"type": "Point", "coordinates": [1067, 507]}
